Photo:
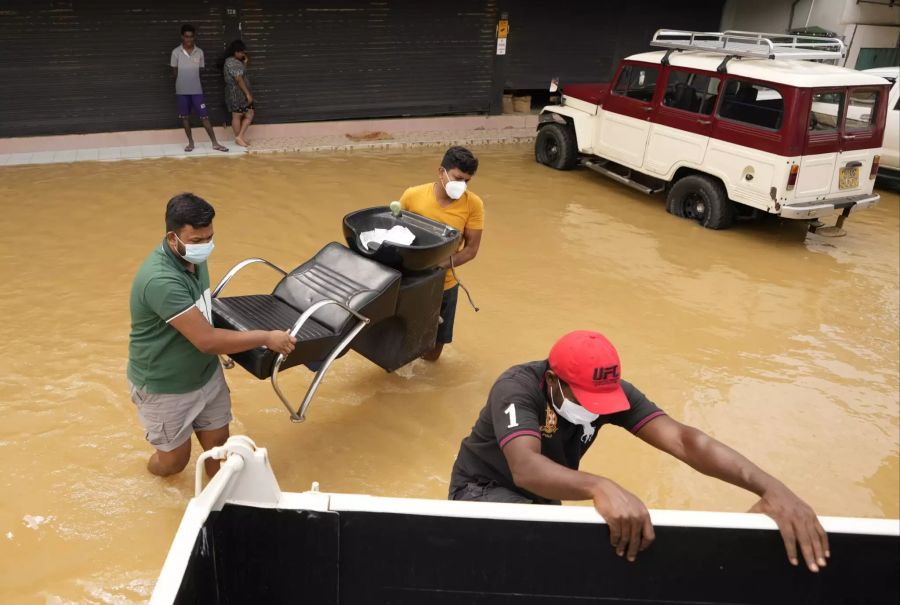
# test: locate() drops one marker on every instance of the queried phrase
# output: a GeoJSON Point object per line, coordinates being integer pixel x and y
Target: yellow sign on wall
{"type": "Point", "coordinates": [503, 28]}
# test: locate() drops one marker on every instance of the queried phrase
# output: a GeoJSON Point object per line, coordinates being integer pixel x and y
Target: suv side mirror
{"type": "Point", "coordinates": [556, 92]}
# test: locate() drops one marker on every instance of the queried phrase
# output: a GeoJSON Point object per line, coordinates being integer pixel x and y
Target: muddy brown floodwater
{"type": "Point", "coordinates": [782, 345]}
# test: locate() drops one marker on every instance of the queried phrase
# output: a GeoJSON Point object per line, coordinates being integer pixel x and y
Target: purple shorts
{"type": "Point", "coordinates": [191, 103]}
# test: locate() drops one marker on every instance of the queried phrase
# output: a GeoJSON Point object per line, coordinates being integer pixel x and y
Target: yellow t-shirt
{"type": "Point", "coordinates": [465, 213]}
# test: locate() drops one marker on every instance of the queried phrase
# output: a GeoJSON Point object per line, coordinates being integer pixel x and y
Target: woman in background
{"type": "Point", "coordinates": [238, 97]}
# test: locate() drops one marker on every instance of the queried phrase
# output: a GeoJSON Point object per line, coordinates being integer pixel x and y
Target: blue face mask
{"type": "Point", "coordinates": [196, 253]}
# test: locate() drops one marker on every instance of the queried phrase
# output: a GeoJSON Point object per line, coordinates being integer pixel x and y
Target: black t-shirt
{"type": "Point", "coordinates": [517, 406]}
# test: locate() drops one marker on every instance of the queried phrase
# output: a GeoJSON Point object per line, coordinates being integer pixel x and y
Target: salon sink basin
{"type": "Point", "coordinates": [434, 241]}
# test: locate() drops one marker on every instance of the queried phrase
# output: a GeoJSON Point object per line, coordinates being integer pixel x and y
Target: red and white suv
{"type": "Point", "coordinates": [728, 123]}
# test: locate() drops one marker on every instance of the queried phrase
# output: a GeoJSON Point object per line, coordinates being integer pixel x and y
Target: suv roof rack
{"type": "Point", "coordinates": [751, 44]}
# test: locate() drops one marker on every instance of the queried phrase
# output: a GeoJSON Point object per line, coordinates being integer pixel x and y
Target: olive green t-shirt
{"type": "Point", "coordinates": [160, 359]}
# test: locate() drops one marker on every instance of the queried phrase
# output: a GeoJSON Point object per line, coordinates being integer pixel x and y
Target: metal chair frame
{"type": "Point", "coordinates": [299, 415]}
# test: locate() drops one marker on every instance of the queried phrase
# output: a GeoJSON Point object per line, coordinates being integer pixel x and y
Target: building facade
{"type": "Point", "coordinates": [81, 66]}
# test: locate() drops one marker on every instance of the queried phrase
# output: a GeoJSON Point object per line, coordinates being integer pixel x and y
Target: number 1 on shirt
{"type": "Point", "coordinates": [511, 411]}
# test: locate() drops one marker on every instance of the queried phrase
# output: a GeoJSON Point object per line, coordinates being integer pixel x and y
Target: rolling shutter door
{"type": "Point", "coordinates": [585, 41]}
{"type": "Point", "coordinates": [92, 66]}
{"type": "Point", "coordinates": [356, 58]}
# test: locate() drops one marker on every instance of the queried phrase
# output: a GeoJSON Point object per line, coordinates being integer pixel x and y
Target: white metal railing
{"type": "Point", "coordinates": [752, 44]}
{"type": "Point", "coordinates": [244, 476]}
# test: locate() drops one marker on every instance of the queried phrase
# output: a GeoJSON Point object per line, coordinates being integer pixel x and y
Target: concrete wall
{"type": "Point", "coordinates": [775, 15]}
{"type": "Point", "coordinates": [873, 12]}
{"type": "Point", "coordinates": [866, 25]}
{"type": "Point", "coordinates": [869, 36]}
{"type": "Point", "coordinates": [870, 25]}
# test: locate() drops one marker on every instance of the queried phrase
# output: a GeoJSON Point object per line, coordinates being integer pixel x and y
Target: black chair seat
{"type": "Point", "coordinates": [335, 273]}
{"type": "Point", "coordinates": [267, 312]}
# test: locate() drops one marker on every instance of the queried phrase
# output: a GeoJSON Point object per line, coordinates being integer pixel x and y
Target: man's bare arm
{"type": "Point", "coordinates": [471, 243]}
{"type": "Point", "coordinates": [796, 520]}
{"type": "Point", "coordinates": [630, 530]}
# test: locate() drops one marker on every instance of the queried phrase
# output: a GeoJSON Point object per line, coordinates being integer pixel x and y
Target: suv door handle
{"type": "Point", "coordinates": [853, 165]}
{"type": "Point", "coordinates": [647, 107]}
{"type": "Point", "coordinates": [849, 136]}
{"type": "Point", "coordinates": [704, 122]}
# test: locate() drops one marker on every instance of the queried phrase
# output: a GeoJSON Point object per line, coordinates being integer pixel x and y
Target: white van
{"type": "Point", "coordinates": [889, 173]}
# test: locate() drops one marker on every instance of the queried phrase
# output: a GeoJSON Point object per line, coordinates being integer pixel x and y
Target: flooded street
{"type": "Point", "coordinates": [782, 346]}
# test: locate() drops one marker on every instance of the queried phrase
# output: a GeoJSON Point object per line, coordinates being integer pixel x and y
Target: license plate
{"type": "Point", "coordinates": [849, 178]}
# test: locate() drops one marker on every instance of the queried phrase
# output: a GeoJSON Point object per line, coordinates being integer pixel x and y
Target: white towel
{"type": "Point", "coordinates": [398, 234]}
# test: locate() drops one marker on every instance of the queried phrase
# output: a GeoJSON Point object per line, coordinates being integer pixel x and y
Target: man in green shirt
{"type": "Point", "coordinates": [174, 374]}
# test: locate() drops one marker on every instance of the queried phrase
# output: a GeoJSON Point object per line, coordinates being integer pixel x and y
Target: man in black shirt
{"type": "Point", "coordinates": [541, 418]}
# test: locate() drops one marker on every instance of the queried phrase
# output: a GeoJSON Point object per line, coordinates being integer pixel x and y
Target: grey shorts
{"type": "Point", "coordinates": [170, 419]}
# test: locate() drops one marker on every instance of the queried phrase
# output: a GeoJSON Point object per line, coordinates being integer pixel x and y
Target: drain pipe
{"type": "Point", "coordinates": [812, 5]}
{"type": "Point", "coordinates": [791, 18]}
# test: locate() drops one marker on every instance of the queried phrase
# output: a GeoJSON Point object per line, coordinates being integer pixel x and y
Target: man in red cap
{"type": "Point", "coordinates": [541, 418]}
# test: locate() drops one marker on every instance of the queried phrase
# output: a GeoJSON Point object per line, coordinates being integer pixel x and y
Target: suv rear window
{"type": "Point", "coordinates": [753, 104]}
{"type": "Point", "coordinates": [826, 111]}
{"type": "Point", "coordinates": [691, 92]}
{"type": "Point", "coordinates": [637, 82]}
{"type": "Point", "coordinates": [861, 109]}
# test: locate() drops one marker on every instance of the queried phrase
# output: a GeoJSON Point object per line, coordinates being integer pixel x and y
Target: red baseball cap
{"type": "Point", "coordinates": [590, 365]}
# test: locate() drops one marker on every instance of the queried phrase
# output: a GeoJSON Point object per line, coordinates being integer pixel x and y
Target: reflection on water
{"type": "Point", "coordinates": [785, 347]}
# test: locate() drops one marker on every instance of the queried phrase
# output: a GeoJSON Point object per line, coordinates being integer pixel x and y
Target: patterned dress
{"type": "Point", "coordinates": [235, 99]}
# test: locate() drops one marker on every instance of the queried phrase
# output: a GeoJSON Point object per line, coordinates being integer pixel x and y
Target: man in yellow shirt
{"type": "Point", "coordinates": [448, 200]}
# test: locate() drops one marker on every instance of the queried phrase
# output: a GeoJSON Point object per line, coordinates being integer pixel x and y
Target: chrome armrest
{"type": "Point", "coordinates": [300, 414]}
{"type": "Point", "coordinates": [234, 270]}
{"type": "Point", "coordinates": [315, 307]}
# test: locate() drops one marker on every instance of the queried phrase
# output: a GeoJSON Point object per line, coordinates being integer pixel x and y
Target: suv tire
{"type": "Point", "coordinates": [703, 199]}
{"type": "Point", "coordinates": [554, 146]}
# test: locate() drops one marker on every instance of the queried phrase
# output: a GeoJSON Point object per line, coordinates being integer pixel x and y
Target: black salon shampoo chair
{"type": "Point", "coordinates": [382, 300]}
{"type": "Point", "coordinates": [325, 303]}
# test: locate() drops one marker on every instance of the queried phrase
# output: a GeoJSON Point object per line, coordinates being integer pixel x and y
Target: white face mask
{"type": "Point", "coordinates": [196, 253]}
{"type": "Point", "coordinates": [454, 189]}
{"type": "Point", "coordinates": [575, 414]}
